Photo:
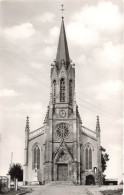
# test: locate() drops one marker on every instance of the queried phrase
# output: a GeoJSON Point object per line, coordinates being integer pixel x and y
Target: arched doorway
{"type": "Point", "coordinates": [62, 172]}
{"type": "Point", "coordinates": [90, 180]}
{"type": "Point", "coordinates": [62, 166]}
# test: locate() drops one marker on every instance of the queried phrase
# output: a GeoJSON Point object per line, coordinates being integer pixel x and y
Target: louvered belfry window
{"type": "Point", "coordinates": [36, 157]}
{"type": "Point", "coordinates": [70, 91]}
{"type": "Point", "coordinates": [88, 157]}
{"type": "Point", "coordinates": [54, 91]}
{"type": "Point", "coordinates": [62, 90]}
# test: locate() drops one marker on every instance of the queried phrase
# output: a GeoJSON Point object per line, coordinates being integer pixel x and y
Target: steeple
{"type": "Point", "coordinates": [27, 125]}
{"type": "Point", "coordinates": [97, 126]}
{"type": "Point", "coordinates": [62, 73]}
{"type": "Point", "coordinates": [27, 131]}
{"type": "Point", "coordinates": [62, 51]}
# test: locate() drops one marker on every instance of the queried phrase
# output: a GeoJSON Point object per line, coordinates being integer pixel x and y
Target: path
{"type": "Point", "coordinates": [60, 189]}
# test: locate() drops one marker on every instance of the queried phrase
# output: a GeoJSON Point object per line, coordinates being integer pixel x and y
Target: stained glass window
{"type": "Point", "coordinates": [88, 157]}
{"type": "Point", "coordinates": [62, 130]}
{"type": "Point", "coordinates": [86, 153]}
{"type": "Point", "coordinates": [36, 157]}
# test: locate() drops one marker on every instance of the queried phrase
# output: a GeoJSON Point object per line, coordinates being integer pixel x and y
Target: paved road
{"type": "Point", "coordinates": [60, 190]}
{"type": "Point", "coordinates": [70, 189]}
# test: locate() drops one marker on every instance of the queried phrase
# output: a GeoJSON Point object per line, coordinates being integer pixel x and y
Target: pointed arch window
{"type": "Point", "coordinates": [36, 157]}
{"type": "Point", "coordinates": [62, 90]}
{"type": "Point", "coordinates": [54, 91]}
{"type": "Point", "coordinates": [70, 91]}
{"type": "Point", "coordinates": [88, 157]}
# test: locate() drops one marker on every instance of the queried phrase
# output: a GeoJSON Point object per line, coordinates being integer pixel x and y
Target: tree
{"type": "Point", "coordinates": [121, 183]}
{"type": "Point", "coordinates": [16, 171]}
{"type": "Point", "coordinates": [104, 159]}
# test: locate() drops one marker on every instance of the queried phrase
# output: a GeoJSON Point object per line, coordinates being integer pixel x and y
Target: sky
{"type": "Point", "coordinates": [29, 32]}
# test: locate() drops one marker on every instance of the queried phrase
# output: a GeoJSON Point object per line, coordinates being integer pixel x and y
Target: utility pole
{"type": "Point", "coordinates": [11, 162]}
{"type": "Point", "coordinates": [0, 149]}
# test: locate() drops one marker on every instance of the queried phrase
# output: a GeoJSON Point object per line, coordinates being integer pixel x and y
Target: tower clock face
{"type": "Point", "coordinates": [62, 113]}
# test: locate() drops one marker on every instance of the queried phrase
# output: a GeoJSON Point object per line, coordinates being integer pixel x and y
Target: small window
{"type": "Point", "coordinates": [62, 90]}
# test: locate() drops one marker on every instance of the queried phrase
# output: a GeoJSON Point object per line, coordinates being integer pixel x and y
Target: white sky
{"type": "Point", "coordinates": [29, 33]}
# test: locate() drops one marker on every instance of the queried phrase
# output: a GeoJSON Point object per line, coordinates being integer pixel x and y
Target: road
{"type": "Point", "coordinates": [66, 188]}
{"type": "Point", "coordinates": [60, 190]}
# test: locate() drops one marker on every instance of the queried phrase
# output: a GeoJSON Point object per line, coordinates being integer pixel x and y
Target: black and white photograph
{"type": "Point", "coordinates": [61, 97]}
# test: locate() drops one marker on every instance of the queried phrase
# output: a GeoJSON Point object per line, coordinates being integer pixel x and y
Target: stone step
{"type": "Point", "coordinates": [61, 183]}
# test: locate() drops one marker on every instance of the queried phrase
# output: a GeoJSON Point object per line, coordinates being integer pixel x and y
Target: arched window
{"type": "Point", "coordinates": [70, 91]}
{"type": "Point", "coordinates": [36, 157]}
{"type": "Point", "coordinates": [62, 90]}
{"type": "Point", "coordinates": [88, 157]}
{"type": "Point", "coordinates": [54, 91]}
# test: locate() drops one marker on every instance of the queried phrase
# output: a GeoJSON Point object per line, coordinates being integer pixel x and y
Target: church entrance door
{"type": "Point", "coordinates": [62, 172]}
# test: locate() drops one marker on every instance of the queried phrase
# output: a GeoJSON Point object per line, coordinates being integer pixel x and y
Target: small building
{"type": "Point", "coordinates": [110, 182]}
{"type": "Point", "coordinates": [4, 183]}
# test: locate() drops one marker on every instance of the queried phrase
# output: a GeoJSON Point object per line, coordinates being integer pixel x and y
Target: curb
{"type": "Point", "coordinates": [22, 193]}
{"type": "Point", "coordinates": [28, 191]}
{"type": "Point", "coordinates": [89, 193]}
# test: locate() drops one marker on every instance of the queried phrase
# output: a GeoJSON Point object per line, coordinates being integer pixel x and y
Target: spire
{"type": "Point", "coordinates": [27, 124]}
{"type": "Point", "coordinates": [97, 125]}
{"type": "Point", "coordinates": [62, 51]}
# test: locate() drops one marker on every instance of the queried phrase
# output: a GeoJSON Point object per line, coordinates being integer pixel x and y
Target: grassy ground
{"type": "Point", "coordinates": [107, 190]}
{"type": "Point", "coordinates": [113, 192]}
{"type": "Point", "coordinates": [13, 192]}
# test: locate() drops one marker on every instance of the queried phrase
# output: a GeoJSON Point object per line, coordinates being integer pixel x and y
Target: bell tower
{"type": "Point", "coordinates": [62, 119]}
{"type": "Point", "coordinates": [63, 77]}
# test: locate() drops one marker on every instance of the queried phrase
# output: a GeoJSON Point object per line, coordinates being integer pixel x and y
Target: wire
{"type": "Point", "coordinates": [96, 108]}
{"type": "Point", "coordinates": [88, 105]}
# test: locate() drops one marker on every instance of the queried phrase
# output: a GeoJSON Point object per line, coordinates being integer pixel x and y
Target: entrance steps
{"type": "Point", "coordinates": [60, 183]}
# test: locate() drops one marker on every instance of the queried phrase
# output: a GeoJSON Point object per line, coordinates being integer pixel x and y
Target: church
{"type": "Point", "coordinates": [62, 149]}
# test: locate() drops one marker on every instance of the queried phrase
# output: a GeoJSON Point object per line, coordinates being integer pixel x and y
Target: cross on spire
{"type": "Point", "coordinates": [62, 10]}
{"type": "Point", "coordinates": [62, 51]}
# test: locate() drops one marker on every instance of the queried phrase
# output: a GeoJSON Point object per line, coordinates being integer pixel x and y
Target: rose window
{"type": "Point", "coordinates": [62, 130]}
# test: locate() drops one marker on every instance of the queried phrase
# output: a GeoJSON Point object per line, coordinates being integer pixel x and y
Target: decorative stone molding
{"type": "Point", "coordinates": [36, 133]}
{"type": "Point", "coordinates": [88, 132]}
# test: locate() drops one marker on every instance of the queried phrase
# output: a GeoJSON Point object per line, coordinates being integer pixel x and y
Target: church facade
{"type": "Point", "coordinates": [62, 149]}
